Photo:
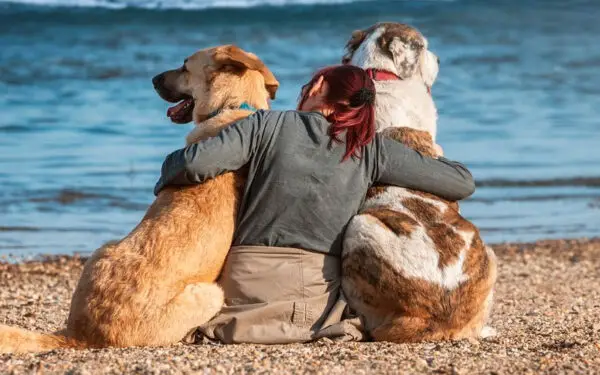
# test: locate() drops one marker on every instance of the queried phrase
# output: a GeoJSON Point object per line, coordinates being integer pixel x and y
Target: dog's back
{"type": "Point", "coordinates": [413, 266]}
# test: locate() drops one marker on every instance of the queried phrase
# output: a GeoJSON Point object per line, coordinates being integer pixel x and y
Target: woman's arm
{"type": "Point", "coordinates": [227, 151]}
{"type": "Point", "coordinates": [402, 166]}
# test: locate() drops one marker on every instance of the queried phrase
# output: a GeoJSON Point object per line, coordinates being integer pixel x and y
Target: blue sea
{"type": "Point", "coordinates": [83, 135]}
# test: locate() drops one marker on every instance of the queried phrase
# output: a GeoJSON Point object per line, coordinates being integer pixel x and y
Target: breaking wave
{"type": "Point", "coordinates": [175, 4]}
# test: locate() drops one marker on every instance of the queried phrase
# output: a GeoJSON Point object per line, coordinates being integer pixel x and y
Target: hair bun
{"type": "Point", "coordinates": [362, 96]}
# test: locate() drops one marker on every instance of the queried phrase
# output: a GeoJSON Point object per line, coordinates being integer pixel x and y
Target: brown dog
{"type": "Point", "coordinates": [157, 284]}
{"type": "Point", "coordinates": [413, 267]}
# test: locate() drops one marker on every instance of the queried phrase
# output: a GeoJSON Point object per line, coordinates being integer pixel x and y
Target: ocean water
{"type": "Point", "coordinates": [83, 135]}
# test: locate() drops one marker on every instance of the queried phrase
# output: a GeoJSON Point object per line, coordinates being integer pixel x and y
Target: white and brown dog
{"type": "Point", "coordinates": [412, 266]}
{"type": "Point", "coordinates": [397, 58]}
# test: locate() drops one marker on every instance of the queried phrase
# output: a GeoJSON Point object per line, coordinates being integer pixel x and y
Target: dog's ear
{"type": "Point", "coordinates": [406, 54]}
{"type": "Point", "coordinates": [429, 65]}
{"type": "Point", "coordinates": [271, 82]}
{"type": "Point", "coordinates": [404, 45]}
{"type": "Point", "coordinates": [234, 58]}
{"type": "Point", "coordinates": [355, 41]}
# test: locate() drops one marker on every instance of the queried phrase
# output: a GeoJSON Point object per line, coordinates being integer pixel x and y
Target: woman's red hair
{"type": "Point", "coordinates": [351, 96]}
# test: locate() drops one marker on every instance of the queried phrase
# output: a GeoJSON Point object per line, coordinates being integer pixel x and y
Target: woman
{"type": "Point", "coordinates": [309, 171]}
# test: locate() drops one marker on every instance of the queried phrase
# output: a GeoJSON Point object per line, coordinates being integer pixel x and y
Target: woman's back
{"type": "Point", "coordinates": [300, 193]}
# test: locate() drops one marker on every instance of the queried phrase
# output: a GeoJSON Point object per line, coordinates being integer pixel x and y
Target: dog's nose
{"type": "Point", "coordinates": [438, 61]}
{"type": "Point", "coordinates": [158, 80]}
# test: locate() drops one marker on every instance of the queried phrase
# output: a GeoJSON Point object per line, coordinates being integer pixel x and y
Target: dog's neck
{"type": "Point", "coordinates": [382, 75]}
{"type": "Point", "coordinates": [210, 127]}
{"type": "Point", "coordinates": [244, 106]}
{"type": "Point", "coordinates": [404, 103]}
{"type": "Point", "coordinates": [386, 75]}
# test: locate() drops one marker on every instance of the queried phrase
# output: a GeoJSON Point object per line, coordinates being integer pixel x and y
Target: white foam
{"type": "Point", "coordinates": [173, 4]}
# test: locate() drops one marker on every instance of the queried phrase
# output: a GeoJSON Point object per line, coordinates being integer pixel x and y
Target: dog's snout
{"type": "Point", "coordinates": [158, 80]}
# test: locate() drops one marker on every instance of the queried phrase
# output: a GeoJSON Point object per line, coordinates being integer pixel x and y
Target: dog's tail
{"type": "Point", "coordinates": [17, 340]}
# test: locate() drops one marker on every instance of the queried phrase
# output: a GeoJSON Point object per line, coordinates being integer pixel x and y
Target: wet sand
{"type": "Point", "coordinates": [547, 314]}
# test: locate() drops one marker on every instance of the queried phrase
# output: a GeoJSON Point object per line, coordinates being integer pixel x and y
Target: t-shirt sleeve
{"type": "Point", "coordinates": [402, 166]}
{"type": "Point", "coordinates": [229, 150]}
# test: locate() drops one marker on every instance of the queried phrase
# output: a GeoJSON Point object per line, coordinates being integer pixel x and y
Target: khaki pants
{"type": "Point", "coordinates": [281, 295]}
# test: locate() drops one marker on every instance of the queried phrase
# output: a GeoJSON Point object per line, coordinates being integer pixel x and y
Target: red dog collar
{"type": "Point", "coordinates": [386, 75]}
{"type": "Point", "coordinates": [382, 75]}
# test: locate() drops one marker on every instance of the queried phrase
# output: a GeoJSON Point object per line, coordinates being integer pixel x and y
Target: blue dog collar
{"type": "Point", "coordinates": [248, 107]}
{"type": "Point", "coordinates": [245, 106]}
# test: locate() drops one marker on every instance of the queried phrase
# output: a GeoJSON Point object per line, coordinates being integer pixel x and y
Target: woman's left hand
{"type": "Point", "coordinates": [438, 150]}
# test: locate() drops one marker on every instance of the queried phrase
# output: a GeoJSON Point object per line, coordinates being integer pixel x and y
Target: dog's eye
{"type": "Point", "coordinates": [183, 68]}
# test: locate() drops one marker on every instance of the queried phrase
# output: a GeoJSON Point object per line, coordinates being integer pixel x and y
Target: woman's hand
{"type": "Point", "coordinates": [439, 151]}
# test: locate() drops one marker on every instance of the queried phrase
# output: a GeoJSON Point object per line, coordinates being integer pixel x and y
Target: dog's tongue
{"type": "Point", "coordinates": [172, 111]}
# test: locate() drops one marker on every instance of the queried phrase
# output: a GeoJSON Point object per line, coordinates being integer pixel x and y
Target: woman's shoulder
{"type": "Point", "coordinates": [281, 117]}
{"type": "Point", "coordinates": [289, 113]}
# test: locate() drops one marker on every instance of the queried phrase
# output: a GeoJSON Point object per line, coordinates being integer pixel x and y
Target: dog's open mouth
{"type": "Point", "coordinates": [182, 113]}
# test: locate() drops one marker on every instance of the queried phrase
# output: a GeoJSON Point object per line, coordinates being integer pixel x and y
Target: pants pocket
{"type": "Point", "coordinates": [299, 315]}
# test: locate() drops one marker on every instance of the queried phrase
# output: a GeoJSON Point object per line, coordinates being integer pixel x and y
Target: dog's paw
{"type": "Point", "coordinates": [488, 332]}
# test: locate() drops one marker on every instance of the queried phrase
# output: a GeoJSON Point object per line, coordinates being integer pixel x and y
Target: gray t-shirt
{"type": "Point", "coordinates": [299, 193]}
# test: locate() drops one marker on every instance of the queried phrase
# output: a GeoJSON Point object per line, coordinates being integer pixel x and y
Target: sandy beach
{"type": "Point", "coordinates": [83, 135]}
{"type": "Point", "coordinates": [547, 314]}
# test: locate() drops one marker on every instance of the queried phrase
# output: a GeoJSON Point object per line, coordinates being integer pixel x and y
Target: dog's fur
{"type": "Point", "coordinates": [402, 50]}
{"type": "Point", "coordinates": [157, 284]}
{"type": "Point", "coordinates": [412, 266]}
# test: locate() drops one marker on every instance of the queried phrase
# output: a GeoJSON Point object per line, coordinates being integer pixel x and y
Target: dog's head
{"type": "Point", "coordinates": [398, 48]}
{"type": "Point", "coordinates": [213, 79]}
